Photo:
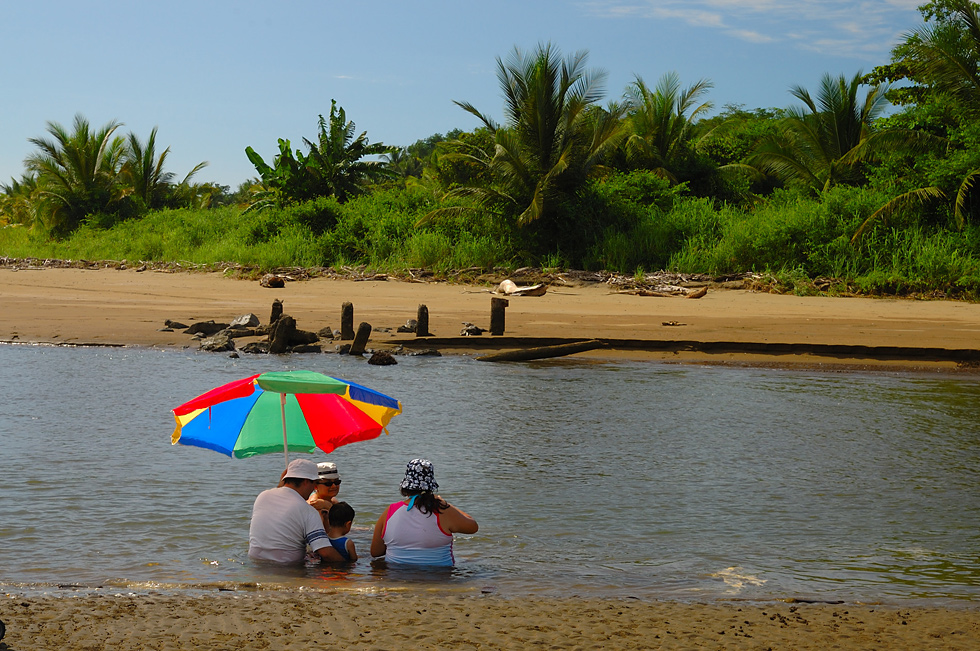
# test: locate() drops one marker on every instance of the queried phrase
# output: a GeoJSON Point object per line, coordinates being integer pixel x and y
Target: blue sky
{"type": "Point", "coordinates": [218, 76]}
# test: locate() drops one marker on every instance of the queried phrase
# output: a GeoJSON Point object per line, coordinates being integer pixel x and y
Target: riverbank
{"type": "Point", "coordinates": [310, 619]}
{"type": "Point", "coordinates": [128, 307]}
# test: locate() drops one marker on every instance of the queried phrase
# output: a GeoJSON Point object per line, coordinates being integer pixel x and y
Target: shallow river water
{"type": "Point", "coordinates": [587, 478]}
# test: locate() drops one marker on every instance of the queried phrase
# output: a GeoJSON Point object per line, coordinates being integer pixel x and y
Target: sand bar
{"type": "Point", "coordinates": [126, 307]}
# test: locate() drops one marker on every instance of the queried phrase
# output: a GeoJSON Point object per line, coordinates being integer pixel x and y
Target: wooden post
{"type": "Point", "coordinates": [360, 339]}
{"type": "Point", "coordinates": [347, 322]}
{"type": "Point", "coordinates": [281, 334]}
{"type": "Point", "coordinates": [497, 307]}
{"type": "Point", "coordinates": [422, 322]}
{"type": "Point", "coordinates": [276, 312]}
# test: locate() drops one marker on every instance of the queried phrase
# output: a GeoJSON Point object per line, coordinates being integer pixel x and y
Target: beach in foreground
{"type": "Point", "coordinates": [306, 620]}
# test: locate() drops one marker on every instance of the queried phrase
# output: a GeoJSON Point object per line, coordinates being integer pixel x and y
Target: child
{"type": "Point", "coordinates": [340, 518]}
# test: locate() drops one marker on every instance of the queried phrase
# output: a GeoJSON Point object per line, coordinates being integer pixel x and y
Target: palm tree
{"type": "Point", "coordinates": [145, 172]}
{"type": "Point", "coordinates": [946, 55]}
{"type": "Point", "coordinates": [827, 142]}
{"type": "Point", "coordinates": [77, 173]}
{"type": "Point", "coordinates": [552, 139]}
{"type": "Point", "coordinates": [662, 123]}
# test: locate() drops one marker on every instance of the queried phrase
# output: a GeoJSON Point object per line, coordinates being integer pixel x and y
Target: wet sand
{"type": "Point", "coordinates": [309, 620]}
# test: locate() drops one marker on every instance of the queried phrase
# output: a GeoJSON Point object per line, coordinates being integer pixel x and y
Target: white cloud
{"type": "Point", "coordinates": [832, 27]}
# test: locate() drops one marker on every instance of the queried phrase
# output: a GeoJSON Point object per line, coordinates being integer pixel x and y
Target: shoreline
{"type": "Point", "coordinates": [114, 307]}
{"type": "Point", "coordinates": [308, 618]}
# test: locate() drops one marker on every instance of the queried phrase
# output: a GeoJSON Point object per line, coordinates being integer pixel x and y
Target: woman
{"type": "Point", "coordinates": [419, 530]}
{"type": "Point", "coordinates": [327, 488]}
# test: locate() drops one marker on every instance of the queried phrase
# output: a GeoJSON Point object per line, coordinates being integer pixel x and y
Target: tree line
{"type": "Point", "coordinates": [562, 176]}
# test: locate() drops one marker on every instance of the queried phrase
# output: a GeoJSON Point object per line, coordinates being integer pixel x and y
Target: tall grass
{"type": "Point", "coordinates": [648, 226]}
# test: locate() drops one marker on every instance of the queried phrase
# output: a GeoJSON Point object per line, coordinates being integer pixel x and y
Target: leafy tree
{"type": "Point", "coordinates": [144, 171]}
{"type": "Point", "coordinates": [334, 166]}
{"type": "Point", "coordinates": [830, 139]}
{"type": "Point", "coordinates": [78, 173]}
{"type": "Point", "coordinates": [941, 59]}
{"type": "Point", "coordinates": [17, 200]}
{"type": "Point", "coordinates": [552, 140]}
{"type": "Point", "coordinates": [662, 123]}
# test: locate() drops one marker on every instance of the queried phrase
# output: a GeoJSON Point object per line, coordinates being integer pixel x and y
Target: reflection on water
{"type": "Point", "coordinates": [593, 479]}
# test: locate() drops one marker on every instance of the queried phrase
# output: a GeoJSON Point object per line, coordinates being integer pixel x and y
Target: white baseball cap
{"type": "Point", "coordinates": [302, 469]}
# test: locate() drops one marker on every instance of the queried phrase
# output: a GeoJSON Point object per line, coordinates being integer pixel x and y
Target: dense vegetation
{"type": "Point", "coordinates": [833, 189]}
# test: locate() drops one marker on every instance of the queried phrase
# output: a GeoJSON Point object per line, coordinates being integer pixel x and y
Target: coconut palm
{"type": "Point", "coordinates": [661, 123]}
{"type": "Point", "coordinates": [77, 173]}
{"type": "Point", "coordinates": [552, 138]}
{"type": "Point", "coordinates": [946, 55]}
{"type": "Point", "coordinates": [826, 142]}
{"type": "Point", "coordinates": [145, 172]}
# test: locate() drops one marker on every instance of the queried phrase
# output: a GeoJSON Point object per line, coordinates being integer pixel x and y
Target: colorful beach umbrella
{"type": "Point", "coordinates": [283, 411]}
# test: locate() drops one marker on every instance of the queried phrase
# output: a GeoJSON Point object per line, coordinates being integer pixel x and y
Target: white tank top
{"type": "Point", "coordinates": [416, 538]}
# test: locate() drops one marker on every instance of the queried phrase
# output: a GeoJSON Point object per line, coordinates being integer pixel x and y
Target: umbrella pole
{"type": "Point", "coordinates": [285, 446]}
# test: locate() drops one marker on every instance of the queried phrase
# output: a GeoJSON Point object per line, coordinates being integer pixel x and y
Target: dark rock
{"type": "Point", "coordinates": [325, 333]}
{"type": "Point", "coordinates": [176, 325]}
{"type": "Point", "coordinates": [281, 335]}
{"type": "Point", "coordinates": [246, 321]}
{"type": "Point", "coordinates": [233, 356]}
{"type": "Point", "coordinates": [470, 330]}
{"type": "Point", "coordinates": [426, 352]}
{"type": "Point", "coordinates": [272, 280]}
{"type": "Point", "coordinates": [382, 358]}
{"type": "Point", "coordinates": [256, 348]}
{"type": "Point", "coordinates": [165, 330]}
{"type": "Point", "coordinates": [218, 343]}
{"type": "Point", "coordinates": [300, 337]}
{"type": "Point", "coordinates": [206, 328]}
{"type": "Point", "coordinates": [343, 349]}
{"type": "Point", "coordinates": [305, 348]}
{"type": "Point", "coordinates": [409, 326]}
{"type": "Point", "coordinates": [234, 332]}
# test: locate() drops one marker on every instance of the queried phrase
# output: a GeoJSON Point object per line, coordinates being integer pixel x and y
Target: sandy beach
{"type": "Point", "coordinates": [126, 307]}
{"type": "Point", "coordinates": [269, 620]}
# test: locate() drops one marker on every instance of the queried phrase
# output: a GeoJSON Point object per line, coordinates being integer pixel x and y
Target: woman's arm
{"type": "Point", "coordinates": [378, 546]}
{"type": "Point", "coordinates": [457, 521]}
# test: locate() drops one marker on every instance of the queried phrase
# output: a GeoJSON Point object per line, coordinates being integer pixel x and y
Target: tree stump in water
{"type": "Point", "coordinates": [360, 339]}
{"type": "Point", "coordinates": [347, 322]}
{"type": "Point", "coordinates": [497, 307]}
{"type": "Point", "coordinates": [276, 312]}
{"type": "Point", "coordinates": [422, 322]}
{"type": "Point", "coordinates": [282, 334]}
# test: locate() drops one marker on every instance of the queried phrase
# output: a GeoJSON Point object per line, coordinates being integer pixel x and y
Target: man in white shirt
{"type": "Point", "coordinates": [284, 523]}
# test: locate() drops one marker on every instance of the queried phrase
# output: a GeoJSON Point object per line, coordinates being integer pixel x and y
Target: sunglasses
{"type": "Point", "coordinates": [329, 482]}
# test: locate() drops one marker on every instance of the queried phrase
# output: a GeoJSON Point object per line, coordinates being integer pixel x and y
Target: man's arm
{"type": "Point", "coordinates": [328, 553]}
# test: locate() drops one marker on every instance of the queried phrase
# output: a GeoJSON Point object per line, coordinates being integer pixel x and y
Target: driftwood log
{"type": "Point", "coordinates": [542, 352]}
